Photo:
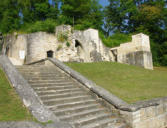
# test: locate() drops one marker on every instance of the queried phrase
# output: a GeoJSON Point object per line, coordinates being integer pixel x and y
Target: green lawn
{"type": "Point", "coordinates": [130, 83]}
{"type": "Point", "coordinates": [11, 107]}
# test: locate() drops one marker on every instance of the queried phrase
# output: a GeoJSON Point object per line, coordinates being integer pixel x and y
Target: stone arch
{"type": "Point", "coordinates": [50, 53]}
{"type": "Point", "coordinates": [79, 47]}
{"type": "Point", "coordinates": [80, 50]}
{"type": "Point", "coordinates": [77, 44]}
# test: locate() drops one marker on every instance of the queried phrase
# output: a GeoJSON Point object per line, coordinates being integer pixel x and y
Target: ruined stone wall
{"type": "Point", "coordinates": [80, 46]}
{"type": "Point", "coordinates": [136, 52]}
{"type": "Point", "coordinates": [15, 47]}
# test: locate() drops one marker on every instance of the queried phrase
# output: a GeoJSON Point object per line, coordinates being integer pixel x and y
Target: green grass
{"type": "Point", "coordinates": [130, 83]}
{"type": "Point", "coordinates": [11, 107]}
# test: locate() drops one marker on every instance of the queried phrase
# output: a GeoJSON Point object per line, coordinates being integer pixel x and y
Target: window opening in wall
{"type": "Point", "coordinates": [50, 54]}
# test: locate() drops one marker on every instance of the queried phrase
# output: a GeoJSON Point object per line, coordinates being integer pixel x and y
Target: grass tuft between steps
{"type": "Point", "coordinates": [11, 107]}
{"type": "Point", "coordinates": [130, 83]}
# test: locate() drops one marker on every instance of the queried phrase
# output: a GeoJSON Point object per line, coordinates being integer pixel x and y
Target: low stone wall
{"type": "Point", "coordinates": [148, 117]}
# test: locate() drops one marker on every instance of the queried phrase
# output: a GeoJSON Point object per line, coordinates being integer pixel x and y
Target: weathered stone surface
{"type": "Point", "coordinates": [80, 46]}
{"type": "Point", "coordinates": [84, 46]}
{"type": "Point", "coordinates": [136, 52]}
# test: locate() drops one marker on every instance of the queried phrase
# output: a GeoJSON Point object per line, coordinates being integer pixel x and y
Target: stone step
{"type": "Point", "coordinates": [37, 70]}
{"type": "Point", "coordinates": [56, 78]}
{"type": "Point", "coordinates": [40, 73]}
{"type": "Point", "coordinates": [53, 87]}
{"type": "Point", "coordinates": [36, 85]}
{"type": "Point", "coordinates": [92, 119]}
{"type": "Point", "coordinates": [50, 81]}
{"type": "Point", "coordinates": [33, 73]}
{"type": "Point", "coordinates": [42, 78]}
{"type": "Point", "coordinates": [72, 104]}
{"type": "Point", "coordinates": [84, 114]}
{"type": "Point", "coordinates": [100, 124]}
{"type": "Point", "coordinates": [65, 100]}
{"type": "Point", "coordinates": [42, 67]}
{"type": "Point", "coordinates": [41, 85]}
{"type": "Point", "coordinates": [56, 81]}
{"type": "Point", "coordinates": [76, 109]}
{"type": "Point", "coordinates": [55, 96]}
{"type": "Point", "coordinates": [50, 92]}
{"type": "Point", "coordinates": [116, 125]}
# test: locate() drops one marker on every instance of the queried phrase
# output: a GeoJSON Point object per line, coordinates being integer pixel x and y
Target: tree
{"type": "Point", "coordinates": [9, 16]}
{"type": "Point", "coordinates": [134, 16]}
{"type": "Point", "coordinates": [82, 13]}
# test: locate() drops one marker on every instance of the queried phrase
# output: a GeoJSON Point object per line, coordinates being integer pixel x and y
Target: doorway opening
{"type": "Point", "coordinates": [50, 54]}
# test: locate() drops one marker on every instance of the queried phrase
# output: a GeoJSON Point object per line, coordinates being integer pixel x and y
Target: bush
{"type": "Point", "coordinates": [46, 26]}
{"type": "Point", "coordinates": [59, 47]}
{"type": "Point", "coordinates": [62, 37]}
{"type": "Point", "coordinates": [164, 60]}
{"type": "Point", "coordinates": [115, 39]}
{"type": "Point", "coordinates": [67, 44]}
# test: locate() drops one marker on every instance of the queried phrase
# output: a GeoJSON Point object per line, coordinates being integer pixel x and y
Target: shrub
{"type": "Point", "coordinates": [115, 39]}
{"type": "Point", "coordinates": [67, 44]}
{"type": "Point", "coordinates": [46, 26]}
{"type": "Point", "coordinates": [59, 47]}
{"type": "Point", "coordinates": [164, 60]}
{"type": "Point", "coordinates": [62, 37]}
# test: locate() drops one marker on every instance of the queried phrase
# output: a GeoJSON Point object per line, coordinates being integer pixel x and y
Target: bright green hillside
{"type": "Point", "coordinates": [127, 82]}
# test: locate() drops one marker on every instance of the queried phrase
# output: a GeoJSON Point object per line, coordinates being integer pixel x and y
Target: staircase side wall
{"type": "Point", "coordinates": [148, 117]}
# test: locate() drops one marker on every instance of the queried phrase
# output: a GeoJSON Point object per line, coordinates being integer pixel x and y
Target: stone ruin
{"type": "Point", "coordinates": [136, 52]}
{"type": "Point", "coordinates": [68, 45]}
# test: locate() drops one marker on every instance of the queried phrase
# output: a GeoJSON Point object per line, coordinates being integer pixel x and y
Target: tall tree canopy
{"type": "Point", "coordinates": [82, 13]}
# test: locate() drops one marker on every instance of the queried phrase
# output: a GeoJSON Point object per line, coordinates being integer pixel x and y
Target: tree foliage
{"type": "Point", "coordinates": [146, 16]}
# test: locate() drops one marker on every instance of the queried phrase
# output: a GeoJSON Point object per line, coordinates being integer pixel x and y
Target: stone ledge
{"type": "Point", "coordinates": [27, 94]}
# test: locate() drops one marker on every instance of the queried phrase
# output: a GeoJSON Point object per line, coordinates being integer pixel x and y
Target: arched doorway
{"type": "Point", "coordinates": [50, 53]}
{"type": "Point", "coordinates": [79, 47]}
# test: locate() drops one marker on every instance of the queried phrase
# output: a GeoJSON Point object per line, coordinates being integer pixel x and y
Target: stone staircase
{"type": "Point", "coordinates": [68, 99]}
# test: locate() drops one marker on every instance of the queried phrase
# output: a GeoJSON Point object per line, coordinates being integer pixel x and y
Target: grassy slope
{"type": "Point", "coordinates": [11, 107]}
{"type": "Point", "coordinates": [127, 82]}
